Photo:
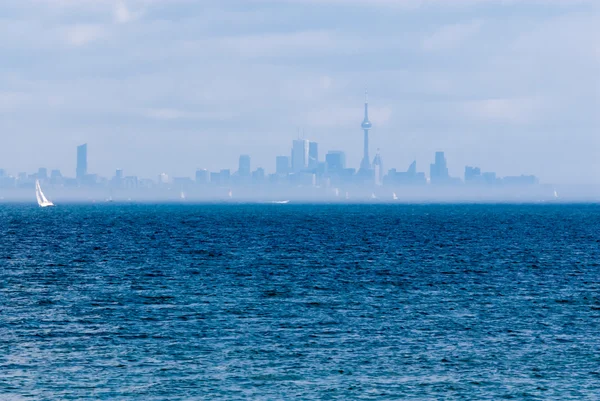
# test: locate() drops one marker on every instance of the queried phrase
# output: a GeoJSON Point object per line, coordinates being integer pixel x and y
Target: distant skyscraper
{"type": "Point", "coordinates": [439, 171]}
{"type": "Point", "coordinates": [244, 166]}
{"type": "Point", "coordinates": [300, 155]}
{"type": "Point", "coordinates": [81, 170]}
{"type": "Point", "coordinates": [202, 176]}
{"type": "Point", "coordinates": [335, 161]}
{"type": "Point", "coordinates": [42, 173]}
{"type": "Point", "coordinates": [282, 165]}
{"type": "Point", "coordinates": [378, 167]}
{"type": "Point", "coordinates": [313, 155]}
{"type": "Point", "coordinates": [366, 126]}
{"type": "Point", "coordinates": [472, 173]}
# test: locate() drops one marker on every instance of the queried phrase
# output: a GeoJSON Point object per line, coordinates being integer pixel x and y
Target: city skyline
{"type": "Point", "coordinates": [302, 160]}
{"type": "Point", "coordinates": [506, 86]}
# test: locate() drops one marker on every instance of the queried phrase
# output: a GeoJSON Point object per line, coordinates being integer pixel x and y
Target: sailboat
{"type": "Point", "coordinates": [394, 196]}
{"type": "Point", "coordinates": [41, 198]}
{"type": "Point", "coordinates": [337, 192]}
{"type": "Point", "coordinates": [182, 195]}
{"type": "Point", "coordinates": [230, 194]}
{"type": "Point", "coordinates": [373, 196]}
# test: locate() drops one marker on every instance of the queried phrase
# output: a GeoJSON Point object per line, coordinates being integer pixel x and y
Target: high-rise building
{"type": "Point", "coordinates": [300, 155]}
{"type": "Point", "coordinates": [335, 161]}
{"type": "Point", "coordinates": [472, 174]}
{"type": "Point", "coordinates": [202, 176]}
{"type": "Point", "coordinates": [42, 173]}
{"type": "Point", "coordinates": [366, 126]}
{"type": "Point", "coordinates": [117, 180]}
{"type": "Point", "coordinates": [313, 155]}
{"type": "Point", "coordinates": [282, 165]}
{"type": "Point", "coordinates": [81, 170]}
{"type": "Point", "coordinates": [244, 166]}
{"type": "Point", "coordinates": [378, 169]}
{"type": "Point", "coordinates": [439, 171]}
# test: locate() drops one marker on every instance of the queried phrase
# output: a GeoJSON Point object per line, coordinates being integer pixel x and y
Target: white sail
{"type": "Point", "coordinates": [37, 194]}
{"type": "Point", "coordinates": [394, 196]}
{"type": "Point", "coordinates": [182, 195]}
{"type": "Point", "coordinates": [41, 198]}
{"type": "Point", "coordinates": [337, 192]}
{"type": "Point", "coordinates": [230, 194]}
{"type": "Point", "coordinates": [373, 196]}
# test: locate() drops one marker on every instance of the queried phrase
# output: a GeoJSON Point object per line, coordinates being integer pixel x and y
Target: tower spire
{"type": "Point", "coordinates": [366, 126]}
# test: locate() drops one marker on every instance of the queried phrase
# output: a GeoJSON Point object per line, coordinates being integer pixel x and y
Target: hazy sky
{"type": "Point", "coordinates": [174, 85]}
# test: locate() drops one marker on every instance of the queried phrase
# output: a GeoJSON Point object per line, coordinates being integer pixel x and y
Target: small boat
{"type": "Point", "coordinates": [337, 192]}
{"type": "Point", "coordinates": [373, 196]}
{"type": "Point", "coordinates": [182, 195]}
{"type": "Point", "coordinates": [230, 194]}
{"type": "Point", "coordinates": [394, 196]}
{"type": "Point", "coordinates": [555, 194]}
{"type": "Point", "coordinates": [41, 198]}
{"type": "Point", "coordinates": [283, 202]}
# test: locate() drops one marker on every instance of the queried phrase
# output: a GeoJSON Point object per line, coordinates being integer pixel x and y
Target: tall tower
{"type": "Point", "coordinates": [366, 126]}
{"type": "Point", "coordinates": [81, 169]}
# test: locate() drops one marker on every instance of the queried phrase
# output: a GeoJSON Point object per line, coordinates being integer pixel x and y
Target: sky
{"type": "Point", "coordinates": [171, 86]}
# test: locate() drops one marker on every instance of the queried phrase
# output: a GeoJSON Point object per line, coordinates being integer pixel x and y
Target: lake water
{"type": "Point", "coordinates": [285, 302]}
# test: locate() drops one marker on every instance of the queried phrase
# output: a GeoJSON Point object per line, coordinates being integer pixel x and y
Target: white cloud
{"type": "Point", "coordinates": [82, 34]}
{"type": "Point", "coordinates": [507, 110]}
{"type": "Point", "coordinates": [451, 36]}
{"type": "Point", "coordinates": [122, 13]}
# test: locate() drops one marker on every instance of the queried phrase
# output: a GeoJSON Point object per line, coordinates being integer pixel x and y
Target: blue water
{"type": "Point", "coordinates": [269, 302]}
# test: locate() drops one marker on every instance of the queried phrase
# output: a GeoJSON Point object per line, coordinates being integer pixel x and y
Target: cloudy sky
{"type": "Point", "coordinates": [156, 85]}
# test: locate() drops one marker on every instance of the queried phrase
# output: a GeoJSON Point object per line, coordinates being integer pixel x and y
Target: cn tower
{"type": "Point", "coordinates": [366, 126]}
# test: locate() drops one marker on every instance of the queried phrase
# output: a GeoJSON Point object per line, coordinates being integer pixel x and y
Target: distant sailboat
{"type": "Point", "coordinates": [182, 195]}
{"type": "Point", "coordinates": [394, 196]}
{"type": "Point", "coordinates": [337, 192]}
{"type": "Point", "coordinates": [373, 196]}
{"type": "Point", "coordinates": [283, 202]}
{"type": "Point", "coordinates": [230, 194]}
{"type": "Point", "coordinates": [555, 194]}
{"type": "Point", "coordinates": [41, 198]}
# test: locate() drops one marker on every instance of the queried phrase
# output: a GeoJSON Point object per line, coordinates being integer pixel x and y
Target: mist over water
{"type": "Point", "coordinates": [151, 302]}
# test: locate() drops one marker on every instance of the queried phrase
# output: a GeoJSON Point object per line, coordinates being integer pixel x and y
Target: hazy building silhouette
{"type": "Point", "coordinates": [42, 173]}
{"type": "Point", "coordinates": [472, 174]}
{"type": "Point", "coordinates": [313, 155]}
{"type": "Point", "coordinates": [82, 165]}
{"type": "Point", "coordinates": [366, 126]}
{"type": "Point", "coordinates": [282, 165]}
{"type": "Point", "coordinates": [300, 155]}
{"type": "Point", "coordinates": [258, 176]}
{"type": "Point", "coordinates": [439, 170]}
{"type": "Point", "coordinates": [224, 177]}
{"type": "Point", "coordinates": [378, 169]}
{"type": "Point", "coordinates": [335, 161]}
{"type": "Point", "coordinates": [409, 177]}
{"type": "Point", "coordinates": [244, 166]}
{"type": "Point", "coordinates": [202, 176]}
{"type": "Point", "coordinates": [117, 180]}
{"type": "Point", "coordinates": [520, 180]}
{"type": "Point", "coordinates": [489, 178]}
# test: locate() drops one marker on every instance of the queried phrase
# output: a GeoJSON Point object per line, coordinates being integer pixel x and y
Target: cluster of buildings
{"type": "Point", "coordinates": [302, 168]}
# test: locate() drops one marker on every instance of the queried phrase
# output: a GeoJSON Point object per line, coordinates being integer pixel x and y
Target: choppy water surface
{"type": "Point", "coordinates": [299, 302]}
